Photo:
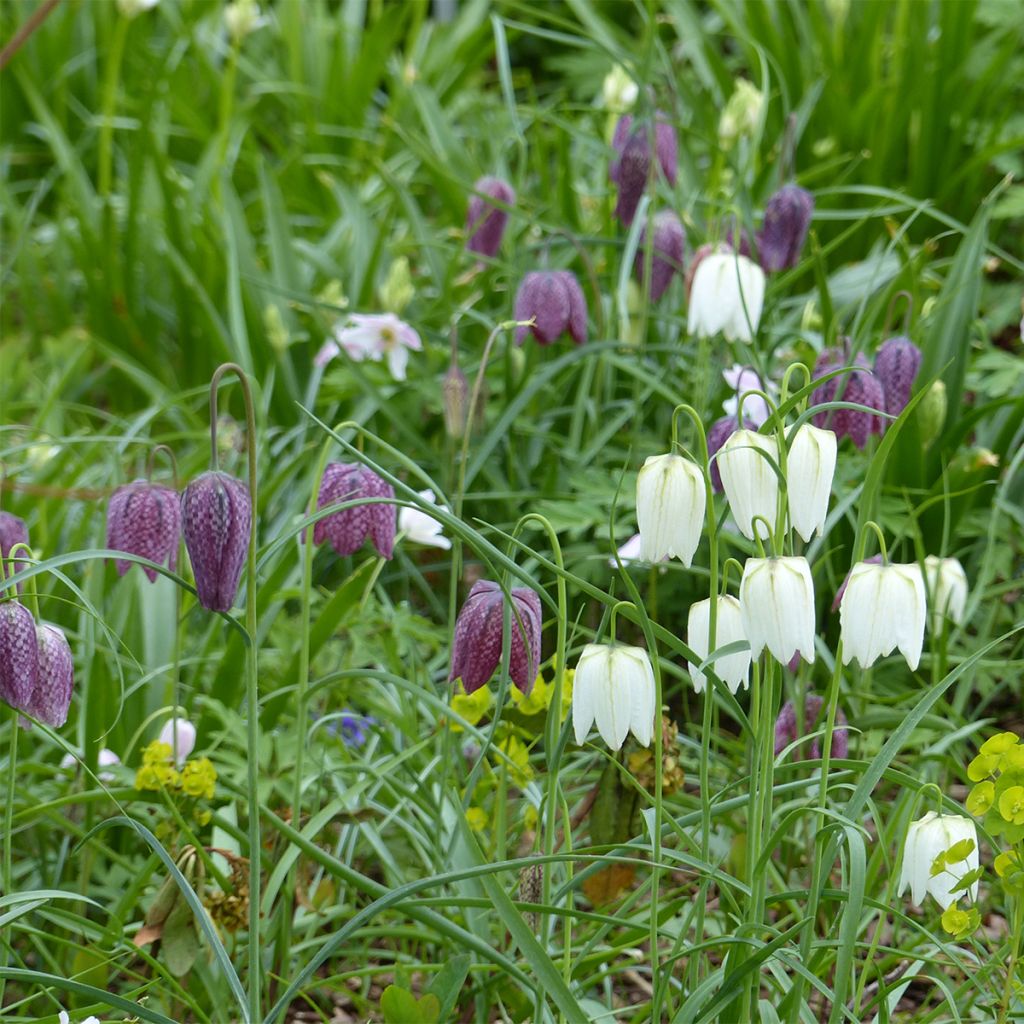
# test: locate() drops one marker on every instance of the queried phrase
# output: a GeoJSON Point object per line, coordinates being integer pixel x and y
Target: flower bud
{"type": "Point", "coordinates": [741, 114]}
{"type": "Point", "coordinates": [455, 395]}
{"type": "Point", "coordinates": [19, 655]}
{"type": "Point", "coordinates": [896, 365]}
{"type": "Point", "coordinates": [931, 413]}
{"type": "Point", "coordinates": [787, 731]}
{"type": "Point", "coordinates": [670, 506]}
{"type": "Point", "coordinates": [180, 735]}
{"type": "Point", "coordinates": [727, 296]}
{"type": "Point", "coordinates": [667, 255]}
{"type": "Point", "coordinates": [348, 528]}
{"type": "Point", "coordinates": [749, 479]}
{"type": "Point", "coordinates": [476, 647]}
{"type": "Point", "coordinates": [485, 222]}
{"type": "Point", "coordinates": [51, 696]}
{"type": "Point", "coordinates": [732, 669]}
{"type": "Point", "coordinates": [619, 90]}
{"type": "Point", "coordinates": [144, 519]}
{"type": "Point", "coordinates": [777, 607]}
{"type": "Point", "coordinates": [947, 590]}
{"type": "Point", "coordinates": [216, 517]}
{"type": "Point", "coordinates": [810, 466]}
{"type": "Point", "coordinates": [613, 687]}
{"type": "Point", "coordinates": [860, 386]}
{"type": "Point", "coordinates": [630, 168]}
{"type": "Point", "coordinates": [554, 300]}
{"type": "Point", "coordinates": [787, 218]}
{"type": "Point", "coordinates": [883, 608]}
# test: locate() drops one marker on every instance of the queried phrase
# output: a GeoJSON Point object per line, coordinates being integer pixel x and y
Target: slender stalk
{"type": "Point", "coordinates": [252, 683]}
{"type": "Point", "coordinates": [105, 144]}
{"type": "Point", "coordinates": [1011, 967]}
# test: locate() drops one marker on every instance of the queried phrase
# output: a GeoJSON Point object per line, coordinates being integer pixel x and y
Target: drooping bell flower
{"type": "Point", "coordinates": [947, 588]}
{"type": "Point", "coordinates": [485, 222]}
{"type": "Point", "coordinates": [787, 218]}
{"type": "Point", "coordinates": [476, 647]}
{"type": "Point", "coordinates": [927, 838]}
{"type": "Point", "coordinates": [144, 519]}
{"type": "Point", "coordinates": [720, 432]}
{"type": "Point", "coordinates": [897, 363]}
{"type": "Point", "coordinates": [554, 300]}
{"type": "Point", "coordinates": [180, 735]}
{"type": "Point", "coordinates": [631, 166]}
{"type": "Point", "coordinates": [726, 296]}
{"type": "Point", "coordinates": [860, 386]}
{"type": "Point", "coordinates": [216, 519]}
{"type": "Point", "coordinates": [670, 505]}
{"type": "Point", "coordinates": [777, 607]}
{"type": "Point", "coordinates": [838, 599]}
{"type": "Point", "coordinates": [668, 250]}
{"type": "Point", "coordinates": [19, 655]}
{"type": "Point", "coordinates": [614, 687]}
{"type": "Point", "coordinates": [51, 696]}
{"type": "Point", "coordinates": [787, 730]}
{"type": "Point", "coordinates": [12, 531]}
{"type": "Point", "coordinates": [347, 529]}
{"type": "Point", "coordinates": [883, 608]}
{"type": "Point", "coordinates": [750, 482]}
{"type": "Point", "coordinates": [732, 669]}
{"type": "Point", "coordinates": [810, 466]}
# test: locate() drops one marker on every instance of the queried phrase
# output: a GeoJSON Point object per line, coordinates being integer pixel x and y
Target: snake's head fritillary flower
{"type": "Point", "coordinates": [787, 218]}
{"type": "Point", "coordinates": [749, 479]}
{"type": "Point", "coordinates": [883, 608]}
{"type": "Point", "coordinates": [613, 687]}
{"type": "Point", "coordinates": [947, 586]}
{"type": "Point", "coordinates": [19, 655]}
{"type": "Point", "coordinates": [718, 433]}
{"type": "Point", "coordinates": [486, 221]}
{"type": "Point", "coordinates": [777, 607]}
{"type": "Point", "coordinates": [810, 466]}
{"type": "Point", "coordinates": [788, 731]}
{"type": "Point", "coordinates": [726, 296]}
{"type": "Point", "coordinates": [216, 518]}
{"type": "Point", "coordinates": [12, 531]}
{"type": "Point", "coordinates": [668, 251]}
{"type": "Point", "coordinates": [732, 669]}
{"type": "Point", "coordinates": [928, 838]}
{"type": "Point", "coordinates": [180, 735]}
{"type": "Point", "coordinates": [670, 505]}
{"type": "Point", "coordinates": [897, 363]}
{"type": "Point", "coordinates": [144, 519]}
{"type": "Point", "coordinates": [476, 647]}
{"type": "Point", "coordinates": [348, 528]}
{"type": "Point", "coordinates": [744, 380]}
{"type": "Point", "coordinates": [838, 600]}
{"type": "Point", "coordinates": [554, 300]}
{"type": "Point", "coordinates": [860, 386]}
{"type": "Point", "coordinates": [631, 166]}
{"type": "Point", "coordinates": [51, 696]}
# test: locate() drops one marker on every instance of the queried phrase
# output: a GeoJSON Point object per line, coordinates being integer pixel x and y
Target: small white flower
{"type": "Point", "coordinates": [883, 608]}
{"type": "Point", "coordinates": [242, 18]}
{"type": "Point", "coordinates": [180, 735]}
{"type": "Point", "coordinates": [777, 607]}
{"type": "Point", "coordinates": [741, 114]}
{"type": "Point", "coordinates": [947, 587]}
{"type": "Point", "coordinates": [926, 839]}
{"type": "Point", "coordinates": [749, 480]}
{"type": "Point", "coordinates": [614, 687]}
{"type": "Point", "coordinates": [810, 466]}
{"type": "Point", "coordinates": [133, 8]}
{"type": "Point", "coordinates": [376, 336]}
{"type": "Point", "coordinates": [421, 527]}
{"type": "Point", "coordinates": [726, 296]}
{"type": "Point", "coordinates": [670, 503]}
{"type": "Point", "coordinates": [755, 409]}
{"type": "Point", "coordinates": [63, 1018]}
{"type": "Point", "coordinates": [733, 669]}
{"type": "Point", "coordinates": [107, 759]}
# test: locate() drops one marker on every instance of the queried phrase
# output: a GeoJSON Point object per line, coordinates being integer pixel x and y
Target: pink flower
{"type": "Point", "coordinates": [755, 408]}
{"type": "Point", "coordinates": [373, 336]}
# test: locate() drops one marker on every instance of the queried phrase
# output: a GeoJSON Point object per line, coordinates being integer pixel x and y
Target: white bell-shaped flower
{"type": "Point", "coordinates": [732, 669]}
{"type": "Point", "coordinates": [810, 466]}
{"type": "Point", "coordinates": [777, 607]}
{"type": "Point", "coordinates": [947, 586]}
{"type": "Point", "coordinates": [883, 608]}
{"type": "Point", "coordinates": [180, 735]}
{"type": "Point", "coordinates": [726, 297]}
{"type": "Point", "coordinates": [749, 480]}
{"type": "Point", "coordinates": [926, 839]}
{"type": "Point", "coordinates": [614, 687]}
{"type": "Point", "coordinates": [670, 505]}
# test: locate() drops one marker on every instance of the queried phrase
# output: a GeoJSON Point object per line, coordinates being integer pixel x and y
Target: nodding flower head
{"type": "Point", "coordinates": [787, 218]}
{"type": "Point", "coordinates": [787, 730]}
{"type": "Point", "coordinates": [860, 386]}
{"type": "Point", "coordinates": [19, 655]}
{"type": "Point", "coordinates": [554, 300]}
{"type": "Point", "coordinates": [347, 529]}
{"type": "Point", "coordinates": [51, 697]}
{"type": "Point", "coordinates": [720, 432]}
{"type": "Point", "coordinates": [216, 516]}
{"type": "Point", "coordinates": [668, 250]}
{"type": "Point", "coordinates": [485, 222]}
{"type": "Point", "coordinates": [897, 363]}
{"type": "Point", "coordinates": [630, 168]}
{"type": "Point", "coordinates": [476, 648]}
{"type": "Point", "coordinates": [144, 519]}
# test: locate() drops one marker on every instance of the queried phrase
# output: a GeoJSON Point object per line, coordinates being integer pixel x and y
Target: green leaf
{"type": "Point", "coordinates": [400, 1006]}
{"type": "Point", "coordinates": [448, 982]}
{"type": "Point", "coordinates": [180, 943]}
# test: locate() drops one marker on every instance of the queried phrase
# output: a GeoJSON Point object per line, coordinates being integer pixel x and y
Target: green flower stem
{"type": "Point", "coordinates": [1011, 968]}
{"type": "Point", "coordinates": [252, 684]}
{"type": "Point", "coordinates": [105, 144]}
{"type": "Point", "coordinates": [862, 541]}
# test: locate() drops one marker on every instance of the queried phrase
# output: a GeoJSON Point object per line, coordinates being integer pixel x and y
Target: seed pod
{"type": "Point", "coordinates": [897, 362]}
{"type": "Point", "coordinates": [216, 515]}
{"type": "Point", "coordinates": [787, 218]}
{"type": "Point", "coordinates": [348, 528]}
{"type": "Point", "coordinates": [144, 519]}
{"type": "Point", "coordinates": [51, 696]}
{"type": "Point", "coordinates": [19, 655]}
{"type": "Point", "coordinates": [485, 222]}
{"type": "Point", "coordinates": [554, 300]}
{"type": "Point", "coordinates": [668, 252]}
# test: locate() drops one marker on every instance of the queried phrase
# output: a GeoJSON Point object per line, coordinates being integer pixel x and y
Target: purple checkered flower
{"type": "Point", "coordinates": [787, 219]}
{"type": "Point", "coordinates": [667, 255]}
{"type": "Point", "coordinates": [216, 516]}
{"type": "Point", "coordinates": [860, 386]}
{"type": "Point", "coordinates": [485, 222]}
{"type": "Point", "coordinates": [631, 165]}
{"type": "Point", "coordinates": [347, 529]}
{"type": "Point", "coordinates": [144, 519]}
{"type": "Point", "coordinates": [476, 649]}
{"type": "Point", "coordinates": [787, 731]}
{"type": "Point", "coordinates": [554, 300]}
{"type": "Point", "coordinates": [12, 531]}
{"type": "Point", "coordinates": [897, 362]}
{"type": "Point", "coordinates": [19, 655]}
{"type": "Point", "coordinates": [51, 696]}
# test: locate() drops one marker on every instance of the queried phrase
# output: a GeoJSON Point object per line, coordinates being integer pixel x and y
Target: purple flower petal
{"type": "Point", "coordinates": [897, 363]}
{"type": "Point", "coordinates": [144, 519]}
{"type": "Point", "coordinates": [347, 529]}
{"type": "Point", "coordinates": [19, 655]}
{"type": "Point", "coordinates": [485, 223]}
